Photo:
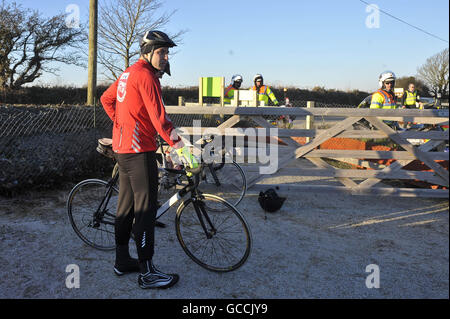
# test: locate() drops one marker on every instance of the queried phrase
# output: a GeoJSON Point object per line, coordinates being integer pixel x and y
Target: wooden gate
{"type": "Point", "coordinates": [366, 176]}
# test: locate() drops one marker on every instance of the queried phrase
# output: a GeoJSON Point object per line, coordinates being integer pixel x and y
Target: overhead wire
{"type": "Point", "coordinates": [409, 24]}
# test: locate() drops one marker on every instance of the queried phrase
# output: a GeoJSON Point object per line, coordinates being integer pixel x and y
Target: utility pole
{"type": "Point", "coordinates": [92, 68]}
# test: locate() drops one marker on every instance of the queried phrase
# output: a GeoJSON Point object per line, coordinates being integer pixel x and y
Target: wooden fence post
{"type": "Point", "coordinates": [200, 91]}
{"type": "Point", "coordinates": [92, 62]}
{"type": "Point", "coordinates": [235, 100]}
{"type": "Point", "coordinates": [222, 88]}
{"type": "Point", "coordinates": [309, 119]}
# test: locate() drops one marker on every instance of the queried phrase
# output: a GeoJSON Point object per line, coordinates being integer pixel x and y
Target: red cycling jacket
{"type": "Point", "coordinates": [134, 103]}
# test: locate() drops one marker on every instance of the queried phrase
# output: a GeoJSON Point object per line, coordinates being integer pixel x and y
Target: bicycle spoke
{"type": "Point", "coordinates": [229, 244]}
{"type": "Point", "coordinates": [226, 180]}
{"type": "Point", "coordinates": [90, 206]}
{"type": "Point", "coordinates": [228, 253]}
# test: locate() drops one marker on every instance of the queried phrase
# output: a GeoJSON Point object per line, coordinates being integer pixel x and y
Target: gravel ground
{"type": "Point", "coordinates": [317, 246]}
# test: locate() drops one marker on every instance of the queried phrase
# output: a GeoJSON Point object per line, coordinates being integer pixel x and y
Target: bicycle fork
{"type": "Point", "coordinates": [214, 175]}
{"type": "Point", "coordinates": [201, 214]}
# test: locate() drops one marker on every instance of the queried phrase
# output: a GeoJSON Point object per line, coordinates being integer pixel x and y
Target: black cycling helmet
{"type": "Point", "coordinates": [153, 40]}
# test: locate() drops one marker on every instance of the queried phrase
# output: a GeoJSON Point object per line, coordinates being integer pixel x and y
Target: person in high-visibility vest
{"type": "Point", "coordinates": [384, 97]}
{"type": "Point", "coordinates": [410, 97]}
{"type": "Point", "coordinates": [264, 92]}
{"type": "Point", "coordinates": [411, 100]}
{"type": "Point", "coordinates": [236, 82]}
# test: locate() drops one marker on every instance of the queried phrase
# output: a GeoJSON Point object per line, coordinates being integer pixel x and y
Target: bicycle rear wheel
{"type": "Point", "coordinates": [91, 208]}
{"type": "Point", "coordinates": [226, 180]}
{"type": "Point", "coordinates": [213, 233]}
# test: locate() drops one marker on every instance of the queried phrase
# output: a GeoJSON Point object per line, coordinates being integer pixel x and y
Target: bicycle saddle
{"type": "Point", "coordinates": [104, 147]}
{"type": "Point", "coordinates": [105, 141]}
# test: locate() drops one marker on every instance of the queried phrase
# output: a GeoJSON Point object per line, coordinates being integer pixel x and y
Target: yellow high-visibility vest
{"type": "Point", "coordinates": [411, 98]}
{"type": "Point", "coordinates": [382, 100]}
{"type": "Point", "coordinates": [228, 94]}
{"type": "Point", "coordinates": [264, 93]}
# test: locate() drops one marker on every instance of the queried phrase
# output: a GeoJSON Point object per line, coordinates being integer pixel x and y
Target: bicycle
{"type": "Point", "coordinates": [211, 231]}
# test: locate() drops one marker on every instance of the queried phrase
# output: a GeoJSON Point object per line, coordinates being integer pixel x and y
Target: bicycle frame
{"type": "Point", "coordinates": [174, 199]}
{"type": "Point", "coordinates": [200, 211]}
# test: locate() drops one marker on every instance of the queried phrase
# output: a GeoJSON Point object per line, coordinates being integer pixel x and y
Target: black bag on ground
{"type": "Point", "coordinates": [270, 201]}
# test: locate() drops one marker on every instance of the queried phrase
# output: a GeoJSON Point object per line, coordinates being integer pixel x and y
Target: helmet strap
{"type": "Point", "coordinates": [149, 61]}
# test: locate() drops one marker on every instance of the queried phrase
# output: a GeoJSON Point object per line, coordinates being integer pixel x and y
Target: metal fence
{"type": "Point", "coordinates": [41, 146]}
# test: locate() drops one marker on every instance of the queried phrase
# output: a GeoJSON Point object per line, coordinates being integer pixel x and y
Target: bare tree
{"type": "Point", "coordinates": [29, 44]}
{"type": "Point", "coordinates": [435, 73]}
{"type": "Point", "coordinates": [121, 25]}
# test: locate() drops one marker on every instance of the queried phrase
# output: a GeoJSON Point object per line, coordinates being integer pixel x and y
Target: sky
{"type": "Point", "coordinates": [340, 45]}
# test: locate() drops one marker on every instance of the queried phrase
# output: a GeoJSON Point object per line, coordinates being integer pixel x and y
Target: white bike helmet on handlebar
{"type": "Point", "coordinates": [386, 76]}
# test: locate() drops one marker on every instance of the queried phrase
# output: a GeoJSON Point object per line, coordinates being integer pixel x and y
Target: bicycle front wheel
{"type": "Point", "coordinates": [226, 180]}
{"type": "Point", "coordinates": [213, 233]}
{"type": "Point", "coordinates": [91, 208]}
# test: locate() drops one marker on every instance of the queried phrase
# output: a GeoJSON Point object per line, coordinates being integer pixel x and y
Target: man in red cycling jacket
{"type": "Point", "coordinates": [134, 103]}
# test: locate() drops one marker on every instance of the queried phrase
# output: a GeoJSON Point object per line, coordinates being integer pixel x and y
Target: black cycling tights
{"type": "Point", "coordinates": [138, 191]}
